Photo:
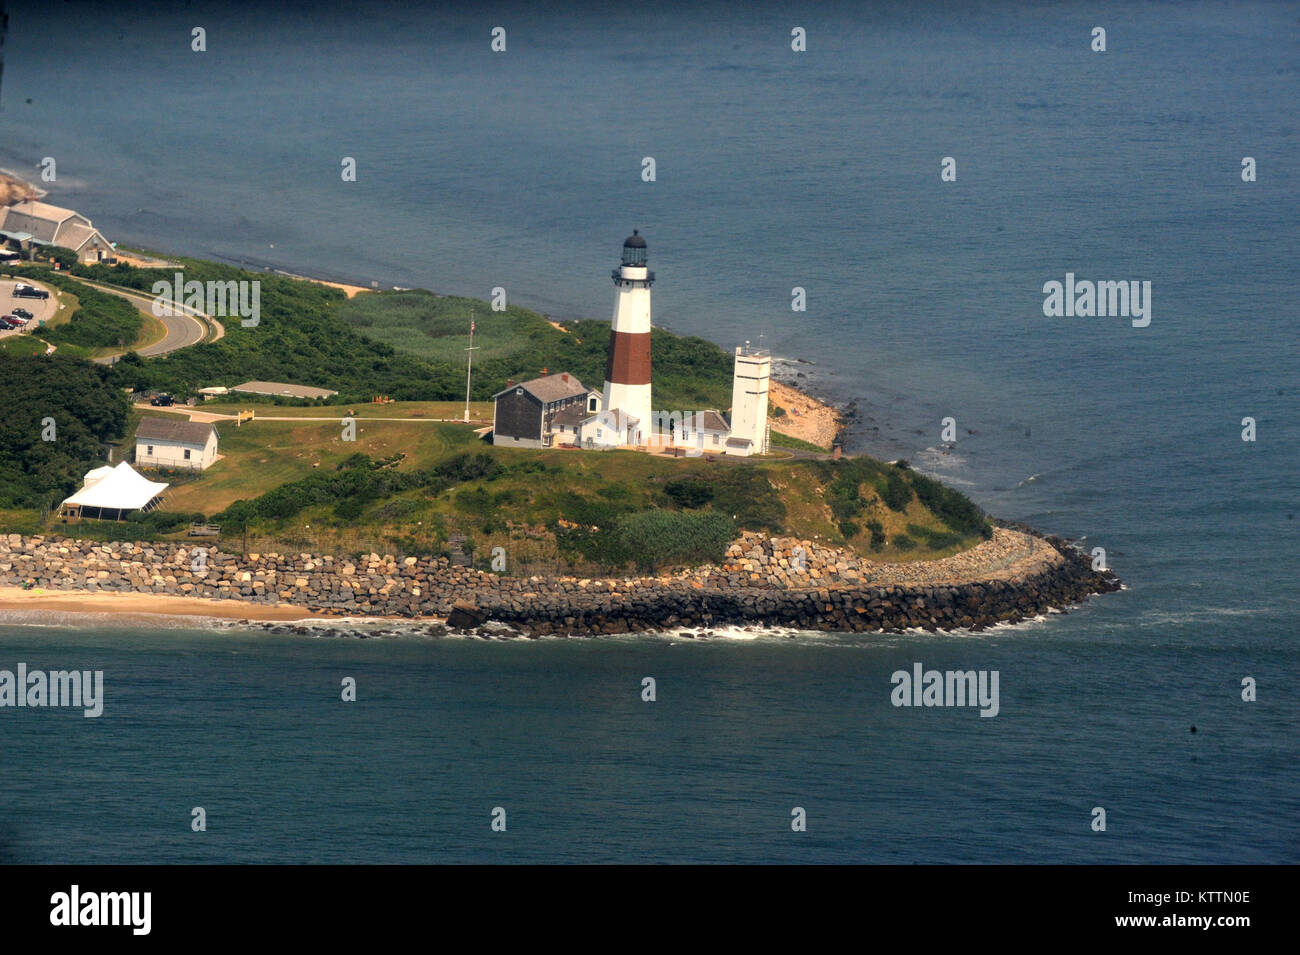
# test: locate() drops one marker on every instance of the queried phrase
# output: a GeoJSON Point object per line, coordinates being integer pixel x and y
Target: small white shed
{"type": "Point", "coordinates": [175, 443]}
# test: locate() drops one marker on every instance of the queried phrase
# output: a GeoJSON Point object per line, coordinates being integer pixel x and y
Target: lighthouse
{"type": "Point", "coordinates": [627, 370]}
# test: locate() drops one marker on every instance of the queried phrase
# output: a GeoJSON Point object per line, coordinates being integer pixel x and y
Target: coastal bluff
{"type": "Point", "coordinates": [767, 581]}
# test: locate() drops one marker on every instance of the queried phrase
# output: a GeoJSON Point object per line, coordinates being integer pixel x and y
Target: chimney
{"type": "Point", "coordinates": [510, 382]}
{"type": "Point", "coordinates": [564, 378]}
{"type": "Point", "coordinates": [543, 369]}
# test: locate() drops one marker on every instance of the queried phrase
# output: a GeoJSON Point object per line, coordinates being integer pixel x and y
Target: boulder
{"type": "Point", "coordinates": [466, 616]}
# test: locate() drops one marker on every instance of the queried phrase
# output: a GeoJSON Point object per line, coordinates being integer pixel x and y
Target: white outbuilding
{"type": "Point", "coordinates": [175, 443]}
{"type": "Point", "coordinates": [611, 428]}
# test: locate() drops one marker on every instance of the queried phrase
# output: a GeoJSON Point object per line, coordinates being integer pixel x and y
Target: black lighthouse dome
{"type": "Point", "coordinates": [634, 249]}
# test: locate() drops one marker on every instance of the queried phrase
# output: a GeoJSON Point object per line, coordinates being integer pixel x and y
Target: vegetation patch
{"type": "Point", "coordinates": [73, 404]}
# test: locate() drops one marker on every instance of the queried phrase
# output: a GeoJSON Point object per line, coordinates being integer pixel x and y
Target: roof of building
{"type": "Point", "coordinates": [41, 219]}
{"type": "Point", "coordinates": [623, 416]}
{"type": "Point", "coordinates": [634, 241]}
{"type": "Point", "coordinates": [178, 430]}
{"type": "Point", "coordinates": [738, 442]}
{"type": "Point", "coordinates": [710, 421]}
{"type": "Point", "coordinates": [74, 235]}
{"type": "Point", "coordinates": [283, 389]}
{"type": "Point", "coordinates": [116, 488]}
{"type": "Point", "coordinates": [550, 388]}
{"type": "Point", "coordinates": [570, 417]}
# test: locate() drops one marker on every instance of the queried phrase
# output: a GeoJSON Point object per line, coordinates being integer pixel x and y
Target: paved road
{"type": "Point", "coordinates": [41, 309]}
{"type": "Point", "coordinates": [182, 330]}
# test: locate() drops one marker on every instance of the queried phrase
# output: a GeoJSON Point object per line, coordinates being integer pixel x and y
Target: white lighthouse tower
{"type": "Point", "coordinates": [749, 387]}
{"type": "Point", "coordinates": [627, 370]}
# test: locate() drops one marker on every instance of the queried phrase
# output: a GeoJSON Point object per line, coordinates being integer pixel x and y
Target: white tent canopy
{"type": "Point", "coordinates": [118, 488]}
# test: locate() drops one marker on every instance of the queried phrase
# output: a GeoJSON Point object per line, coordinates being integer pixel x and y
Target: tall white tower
{"type": "Point", "coordinates": [627, 371]}
{"type": "Point", "coordinates": [749, 397]}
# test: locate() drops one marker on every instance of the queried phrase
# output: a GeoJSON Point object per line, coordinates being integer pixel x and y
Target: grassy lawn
{"type": "Point", "coordinates": [518, 507]}
{"type": "Point", "coordinates": [22, 345]}
{"type": "Point", "coordinates": [523, 497]}
{"type": "Point", "coordinates": [67, 306]}
{"type": "Point", "coordinates": [432, 410]}
{"type": "Point", "coordinates": [780, 440]}
{"type": "Point", "coordinates": [437, 326]}
{"type": "Point", "coordinates": [259, 456]}
{"type": "Point", "coordinates": [21, 521]}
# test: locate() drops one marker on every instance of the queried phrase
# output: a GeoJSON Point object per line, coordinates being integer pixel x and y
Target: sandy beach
{"type": "Point", "coordinates": [15, 599]}
{"type": "Point", "coordinates": [13, 188]}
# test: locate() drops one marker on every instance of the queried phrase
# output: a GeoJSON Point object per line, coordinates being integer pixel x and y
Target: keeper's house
{"type": "Point", "coordinates": [543, 412]}
{"type": "Point", "coordinates": [175, 443]}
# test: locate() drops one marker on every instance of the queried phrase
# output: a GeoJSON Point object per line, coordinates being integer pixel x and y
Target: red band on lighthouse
{"type": "Point", "coordinates": [629, 359]}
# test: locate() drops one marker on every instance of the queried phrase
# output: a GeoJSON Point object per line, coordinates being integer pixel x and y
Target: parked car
{"type": "Point", "coordinates": [28, 291]}
{"type": "Point", "coordinates": [8, 321]}
{"type": "Point", "coordinates": [162, 401]}
{"type": "Point", "coordinates": [23, 313]}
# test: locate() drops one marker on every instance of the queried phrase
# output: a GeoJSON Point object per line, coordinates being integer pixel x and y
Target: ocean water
{"type": "Point", "coordinates": [774, 170]}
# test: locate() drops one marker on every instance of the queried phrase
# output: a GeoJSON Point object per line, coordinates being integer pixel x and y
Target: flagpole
{"type": "Point", "coordinates": [469, 363]}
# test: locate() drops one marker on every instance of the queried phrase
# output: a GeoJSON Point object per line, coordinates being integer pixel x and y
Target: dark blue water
{"type": "Point", "coordinates": [775, 170]}
{"type": "Point", "coordinates": [252, 729]}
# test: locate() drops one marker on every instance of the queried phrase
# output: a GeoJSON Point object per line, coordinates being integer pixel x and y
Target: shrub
{"type": "Point", "coordinates": [689, 492]}
{"type": "Point", "coordinates": [953, 508]}
{"type": "Point", "coordinates": [349, 509]}
{"type": "Point", "coordinates": [935, 539]}
{"type": "Point", "coordinates": [661, 538]}
{"type": "Point", "coordinates": [652, 539]}
{"type": "Point", "coordinates": [474, 500]}
{"type": "Point", "coordinates": [747, 494]}
{"type": "Point", "coordinates": [897, 494]}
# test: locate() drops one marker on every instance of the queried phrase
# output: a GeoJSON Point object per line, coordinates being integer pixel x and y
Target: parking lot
{"type": "Point", "coordinates": [42, 309]}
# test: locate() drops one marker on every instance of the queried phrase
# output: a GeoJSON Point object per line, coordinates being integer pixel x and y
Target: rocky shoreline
{"type": "Point", "coordinates": [779, 582]}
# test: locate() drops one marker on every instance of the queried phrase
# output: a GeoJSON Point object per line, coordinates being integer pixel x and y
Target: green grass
{"type": "Point", "coordinates": [437, 326]}
{"type": "Point", "coordinates": [429, 410]}
{"type": "Point", "coordinates": [523, 503]}
{"type": "Point", "coordinates": [690, 374]}
{"type": "Point", "coordinates": [22, 345]}
{"type": "Point", "coordinates": [780, 440]}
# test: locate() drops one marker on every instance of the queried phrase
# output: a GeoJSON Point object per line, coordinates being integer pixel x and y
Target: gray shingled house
{"type": "Point", "coordinates": [542, 412]}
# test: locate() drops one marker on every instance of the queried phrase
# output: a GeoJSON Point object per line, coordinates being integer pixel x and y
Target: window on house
{"type": "Point", "coordinates": [150, 451]}
{"type": "Point", "coordinates": [599, 433]}
{"type": "Point", "coordinates": [591, 405]}
{"type": "Point", "coordinates": [715, 439]}
{"type": "Point", "coordinates": [187, 454]}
